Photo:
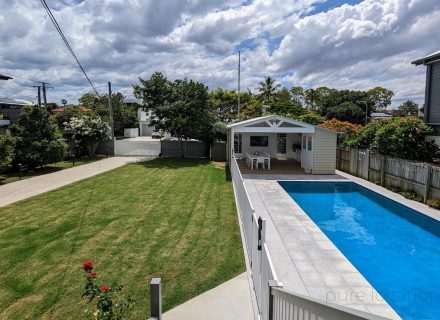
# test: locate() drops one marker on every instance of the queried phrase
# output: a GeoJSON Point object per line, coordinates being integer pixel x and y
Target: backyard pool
{"type": "Point", "coordinates": [396, 249]}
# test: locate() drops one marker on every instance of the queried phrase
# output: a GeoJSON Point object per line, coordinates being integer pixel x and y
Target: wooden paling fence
{"type": "Point", "coordinates": [405, 175]}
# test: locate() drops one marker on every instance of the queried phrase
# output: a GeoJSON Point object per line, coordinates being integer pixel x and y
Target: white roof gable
{"type": "Point", "coordinates": [272, 123]}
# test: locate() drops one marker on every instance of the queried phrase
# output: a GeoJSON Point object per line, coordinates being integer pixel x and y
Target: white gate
{"type": "Point", "coordinates": [137, 148]}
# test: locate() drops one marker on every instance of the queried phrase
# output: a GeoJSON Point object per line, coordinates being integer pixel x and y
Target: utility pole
{"type": "Point", "coordinates": [39, 94]}
{"type": "Point", "coordinates": [366, 111]}
{"type": "Point", "coordinates": [238, 100]}
{"type": "Point", "coordinates": [110, 109]}
{"type": "Point", "coordinates": [44, 94]}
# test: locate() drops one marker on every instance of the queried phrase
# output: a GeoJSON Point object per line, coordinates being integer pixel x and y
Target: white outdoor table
{"type": "Point", "coordinates": [251, 157]}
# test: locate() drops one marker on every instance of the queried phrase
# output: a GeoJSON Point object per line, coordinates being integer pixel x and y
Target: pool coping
{"type": "Point", "coordinates": [305, 259]}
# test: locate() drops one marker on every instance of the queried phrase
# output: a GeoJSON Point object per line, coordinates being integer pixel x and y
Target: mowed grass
{"type": "Point", "coordinates": [168, 218]}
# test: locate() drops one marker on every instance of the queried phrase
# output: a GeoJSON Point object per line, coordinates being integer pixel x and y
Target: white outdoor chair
{"type": "Point", "coordinates": [260, 160]}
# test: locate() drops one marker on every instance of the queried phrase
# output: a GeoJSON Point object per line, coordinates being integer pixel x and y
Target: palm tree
{"type": "Point", "coordinates": [267, 88]}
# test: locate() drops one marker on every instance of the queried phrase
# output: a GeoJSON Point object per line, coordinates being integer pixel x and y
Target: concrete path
{"type": "Point", "coordinates": [230, 300]}
{"type": "Point", "coordinates": [16, 191]}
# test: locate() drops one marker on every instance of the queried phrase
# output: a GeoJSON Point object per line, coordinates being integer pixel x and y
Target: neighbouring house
{"type": "Point", "coordinates": [144, 117]}
{"type": "Point", "coordinates": [380, 116]}
{"type": "Point", "coordinates": [432, 90]}
{"type": "Point", "coordinates": [11, 109]}
{"type": "Point", "coordinates": [309, 147]}
{"type": "Point", "coordinates": [61, 109]}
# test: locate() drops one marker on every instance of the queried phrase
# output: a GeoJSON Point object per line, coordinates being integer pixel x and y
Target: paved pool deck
{"type": "Point", "coordinates": [305, 260]}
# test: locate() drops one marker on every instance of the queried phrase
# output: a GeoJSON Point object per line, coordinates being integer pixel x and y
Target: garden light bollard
{"type": "Point", "coordinates": [156, 299]}
{"type": "Point", "coordinates": [20, 170]}
{"type": "Point", "coordinates": [73, 160]}
{"type": "Point", "coordinates": [106, 153]}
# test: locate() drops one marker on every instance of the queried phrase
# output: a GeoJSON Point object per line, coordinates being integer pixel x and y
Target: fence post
{"type": "Point", "coordinates": [156, 299]}
{"type": "Point", "coordinates": [367, 155]}
{"type": "Point", "coordinates": [427, 183]}
{"type": "Point", "coordinates": [382, 170]}
{"type": "Point", "coordinates": [272, 284]}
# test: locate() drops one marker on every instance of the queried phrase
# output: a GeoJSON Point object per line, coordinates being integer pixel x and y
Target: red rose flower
{"type": "Point", "coordinates": [91, 275]}
{"type": "Point", "coordinates": [105, 288]}
{"type": "Point", "coordinates": [88, 265]}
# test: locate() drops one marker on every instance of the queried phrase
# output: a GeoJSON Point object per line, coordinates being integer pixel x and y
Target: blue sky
{"type": "Point", "coordinates": [356, 46]}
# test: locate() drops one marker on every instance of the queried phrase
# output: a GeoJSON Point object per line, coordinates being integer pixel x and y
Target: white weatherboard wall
{"type": "Point", "coordinates": [292, 138]}
{"type": "Point", "coordinates": [137, 148]}
{"type": "Point", "coordinates": [324, 144]}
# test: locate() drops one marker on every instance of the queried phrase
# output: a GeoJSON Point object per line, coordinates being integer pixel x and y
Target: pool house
{"type": "Point", "coordinates": [276, 144]}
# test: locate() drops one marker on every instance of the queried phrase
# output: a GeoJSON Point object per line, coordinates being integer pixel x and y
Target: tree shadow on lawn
{"type": "Point", "coordinates": [15, 176]}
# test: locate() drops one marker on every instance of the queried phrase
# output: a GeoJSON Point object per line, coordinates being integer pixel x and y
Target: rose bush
{"type": "Point", "coordinates": [110, 305]}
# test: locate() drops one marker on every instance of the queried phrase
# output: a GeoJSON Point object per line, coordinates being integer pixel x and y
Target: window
{"type": "Point", "coordinates": [238, 143]}
{"type": "Point", "coordinates": [309, 144]}
{"type": "Point", "coordinates": [304, 142]}
{"type": "Point", "coordinates": [259, 141]}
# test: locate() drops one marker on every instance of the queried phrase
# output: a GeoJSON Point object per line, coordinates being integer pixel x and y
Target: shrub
{"type": "Point", "coordinates": [89, 131]}
{"type": "Point", "coordinates": [37, 140]}
{"type": "Point", "coordinates": [109, 306]}
{"type": "Point", "coordinates": [7, 147]}
{"type": "Point", "coordinates": [433, 203]}
{"type": "Point", "coordinates": [403, 138]}
{"type": "Point", "coordinates": [411, 195]}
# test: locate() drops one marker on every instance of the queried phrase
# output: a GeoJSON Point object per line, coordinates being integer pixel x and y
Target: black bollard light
{"type": "Point", "coordinates": [73, 160]}
{"type": "Point", "coordinates": [20, 170]}
{"type": "Point", "coordinates": [106, 153]}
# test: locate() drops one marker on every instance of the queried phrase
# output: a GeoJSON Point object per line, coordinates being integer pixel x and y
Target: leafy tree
{"type": "Point", "coordinates": [251, 107]}
{"type": "Point", "coordinates": [380, 97]}
{"type": "Point", "coordinates": [89, 131]}
{"type": "Point", "coordinates": [224, 104]}
{"type": "Point", "coordinates": [287, 109]}
{"type": "Point", "coordinates": [268, 88]}
{"type": "Point", "coordinates": [347, 111]}
{"type": "Point", "coordinates": [67, 114]}
{"type": "Point", "coordinates": [181, 107]}
{"type": "Point", "coordinates": [408, 108]}
{"type": "Point", "coordinates": [37, 140]}
{"type": "Point", "coordinates": [87, 99]}
{"type": "Point", "coordinates": [344, 129]}
{"type": "Point", "coordinates": [282, 95]}
{"type": "Point", "coordinates": [311, 97]}
{"type": "Point", "coordinates": [7, 147]}
{"type": "Point", "coordinates": [124, 116]}
{"type": "Point", "coordinates": [297, 94]}
{"type": "Point", "coordinates": [311, 118]}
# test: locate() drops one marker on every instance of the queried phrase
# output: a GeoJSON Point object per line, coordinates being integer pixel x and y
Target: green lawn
{"type": "Point", "coordinates": [167, 218]}
{"type": "Point", "coordinates": [53, 167]}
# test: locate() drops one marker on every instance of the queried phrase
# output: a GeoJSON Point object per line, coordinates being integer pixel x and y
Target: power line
{"type": "Point", "coordinates": [15, 76]}
{"type": "Point", "coordinates": [58, 28]}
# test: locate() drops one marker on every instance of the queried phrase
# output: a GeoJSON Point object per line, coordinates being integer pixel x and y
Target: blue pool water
{"type": "Point", "coordinates": [396, 249]}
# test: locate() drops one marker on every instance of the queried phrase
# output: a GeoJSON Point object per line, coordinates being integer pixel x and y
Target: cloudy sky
{"type": "Point", "coordinates": [349, 44]}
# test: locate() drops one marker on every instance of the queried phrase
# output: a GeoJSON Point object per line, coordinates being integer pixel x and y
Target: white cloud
{"type": "Point", "coordinates": [356, 47]}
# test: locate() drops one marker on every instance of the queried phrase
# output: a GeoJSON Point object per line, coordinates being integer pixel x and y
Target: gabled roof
{"type": "Point", "coordinates": [274, 123]}
{"type": "Point", "coordinates": [16, 102]}
{"type": "Point", "coordinates": [430, 58]}
{"type": "Point", "coordinates": [4, 77]}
